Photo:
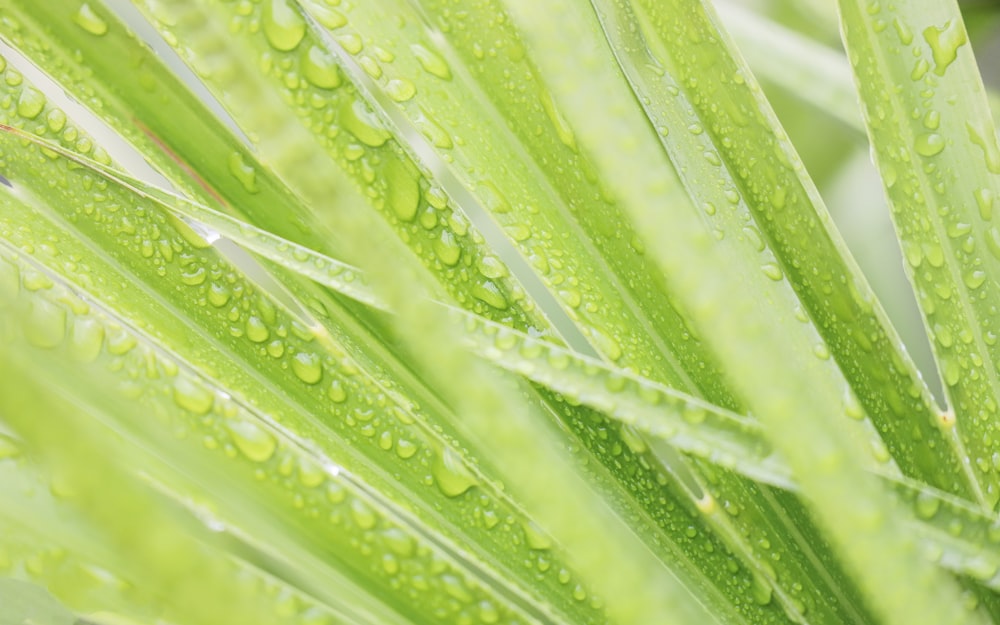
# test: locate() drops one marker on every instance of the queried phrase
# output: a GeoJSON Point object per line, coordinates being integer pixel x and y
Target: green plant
{"type": "Point", "coordinates": [502, 311]}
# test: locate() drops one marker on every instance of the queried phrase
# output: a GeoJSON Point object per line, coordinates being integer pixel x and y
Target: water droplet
{"type": "Point", "coordinates": [451, 475]}
{"type": "Point", "coordinates": [951, 371]}
{"type": "Point", "coordinates": [563, 130]}
{"type": "Point", "coordinates": [256, 329]}
{"type": "Point", "coordinates": [30, 103]}
{"type": "Point", "coordinates": [489, 293]}
{"type": "Point", "coordinates": [245, 173]}
{"type": "Point", "coordinates": [400, 89]}
{"type": "Point", "coordinates": [253, 441]}
{"type": "Point", "coordinates": [536, 537]}
{"type": "Point", "coordinates": [398, 542]}
{"type": "Point", "coordinates": [984, 199]}
{"type": "Point", "coordinates": [987, 142]}
{"type": "Point", "coordinates": [605, 344]}
{"type": "Point", "coordinates": [336, 392]}
{"type": "Point", "coordinates": [91, 22]}
{"type": "Point", "coordinates": [56, 120]}
{"type": "Point", "coordinates": [772, 271]}
{"type": "Point", "coordinates": [974, 279]}
{"type": "Point", "coordinates": [944, 43]}
{"type": "Point", "coordinates": [307, 367]}
{"type": "Point", "coordinates": [363, 124]}
{"type": "Point", "coordinates": [319, 68]}
{"type": "Point", "coordinates": [447, 248]}
{"type": "Point", "coordinates": [192, 396]}
{"type": "Point", "coordinates": [283, 26]}
{"type": "Point", "coordinates": [405, 449]}
{"type": "Point", "coordinates": [433, 131]}
{"type": "Point", "coordinates": [633, 439]}
{"type": "Point", "coordinates": [431, 62]}
{"type": "Point", "coordinates": [86, 336]}
{"type": "Point", "coordinates": [362, 514]}
{"type": "Point", "coordinates": [929, 144]}
{"type": "Point", "coordinates": [926, 505]}
{"type": "Point", "coordinates": [311, 474]}
{"type": "Point", "coordinates": [903, 31]}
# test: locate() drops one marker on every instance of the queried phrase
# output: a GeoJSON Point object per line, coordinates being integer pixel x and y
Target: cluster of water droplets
{"type": "Point", "coordinates": [337, 394]}
{"type": "Point", "coordinates": [314, 85]}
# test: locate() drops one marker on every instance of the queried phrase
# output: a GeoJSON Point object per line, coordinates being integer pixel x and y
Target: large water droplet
{"type": "Point", "coordinates": [90, 21]}
{"type": "Point", "coordinates": [400, 89]}
{"type": "Point", "coordinates": [451, 475]}
{"type": "Point", "coordinates": [363, 124]}
{"type": "Point", "coordinates": [307, 367]}
{"type": "Point", "coordinates": [86, 336]}
{"type": "Point", "coordinates": [283, 26]}
{"type": "Point", "coordinates": [191, 396]}
{"type": "Point", "coordinates": [431, 62]}
{"type": "Point", "coordinates": [362, 514]}
{"type": "Point", "coordinates": [944, 43]}
{"type": "Point", "coordinates": [30, 103]}
{"type": "Point", "coordinates": [929, 144]}
{"type": "Point", "coordinates": [447, 249]}
{"type": "Point", "coordinates": [253, 441]}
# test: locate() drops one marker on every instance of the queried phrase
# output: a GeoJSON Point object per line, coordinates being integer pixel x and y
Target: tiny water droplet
{"type": "Point", "coordinates": [307, 367]}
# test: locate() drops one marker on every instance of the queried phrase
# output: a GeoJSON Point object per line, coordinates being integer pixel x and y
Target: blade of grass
{"type": "Point", "coordinates": [630, 470]}
{"type": "Point", "coordinates": [940, 166]}
{"type": "Point", "coordinates": [817, 449]}
{"type": "Point", "coordinates": [343, 380]}
{"type": "Point", "coordinates": [697, 553]}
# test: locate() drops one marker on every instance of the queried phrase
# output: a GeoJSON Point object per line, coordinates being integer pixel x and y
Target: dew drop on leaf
{"type": "Point", "coordinates": [431, 62]}
{"type": "Point", "coordinates": [253, 441]}
{"type": "Point", "coordinates": [307, 367]}
{"type": "Point", "coordinates": [90, 21]}
{"type": "Point", "coordinates": [944, 43]}
{"type": "Point", "coordinates": [283, 27]}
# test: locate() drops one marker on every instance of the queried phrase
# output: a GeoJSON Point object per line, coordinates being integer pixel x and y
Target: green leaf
{"type": "Point", "coordinates": [936, 149]}
{"type": "Point", "coordinates": [819, 450]}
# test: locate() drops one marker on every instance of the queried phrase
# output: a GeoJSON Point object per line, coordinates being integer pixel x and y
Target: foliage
{"type": "Point", "coordinates": [491, 311]}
